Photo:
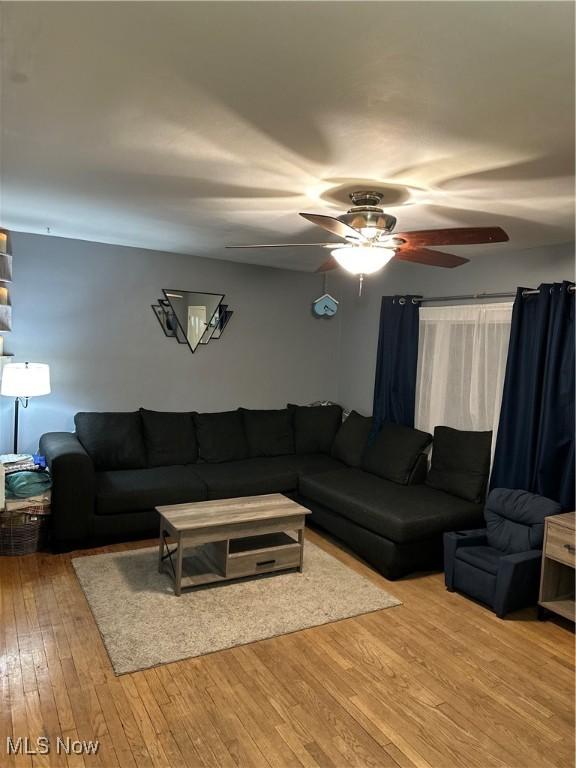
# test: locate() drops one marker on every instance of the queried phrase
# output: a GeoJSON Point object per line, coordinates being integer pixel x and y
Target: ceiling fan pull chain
{"type": "Point", "coordinates": [360, 284]}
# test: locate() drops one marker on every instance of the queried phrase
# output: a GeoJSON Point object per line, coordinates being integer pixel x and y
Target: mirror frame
{"type": "Point", "coordinates": [208, 331]}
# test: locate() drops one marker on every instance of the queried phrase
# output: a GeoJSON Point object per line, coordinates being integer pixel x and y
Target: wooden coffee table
{"type": "Point", "coordinates": [232, 538]}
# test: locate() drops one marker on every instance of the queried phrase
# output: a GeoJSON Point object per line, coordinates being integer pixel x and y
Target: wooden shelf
{"type": "Point", "coordinates": [564, 606]}
{"type": "Point", "coordinates": [5, 268]}
{"type": "Point", "coordinates": [199, 568]}
{"type": "Point", "coordinates": [5, 318]}
{"type": "Point", "coordinates": [272, 542]}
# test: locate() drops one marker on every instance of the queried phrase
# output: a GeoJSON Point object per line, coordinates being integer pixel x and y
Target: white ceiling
{"type": "Point", "coordinates": [188, 126]}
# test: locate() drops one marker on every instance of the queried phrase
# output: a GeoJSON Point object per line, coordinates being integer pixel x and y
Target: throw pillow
{"type": "Point", "coordinates": [315, 427]}
{"type": "Point", "coordinates": [221, 436]}
{"type": "Point", "coordinates": [112, 440]}
{"type": "Point", "coordinates": [351, 439]}
{"type": "Point", "coordinates": [394, 452]}
{"type": "Point", "coordinates": [460, 463]}
{"type": "Point", "coordinates": [269, 433]}
{"type": "Point", "coordinates": [170, 438]}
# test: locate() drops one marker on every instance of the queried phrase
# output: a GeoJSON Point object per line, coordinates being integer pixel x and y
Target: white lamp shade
{"type": "Point", "coordinates": [25, 379]}
{"type": "Point", "coordinates": [363, 260]}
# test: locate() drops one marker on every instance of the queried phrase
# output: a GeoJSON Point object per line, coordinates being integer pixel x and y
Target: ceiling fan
{"type": "Point", "coordinates": [370, 243]}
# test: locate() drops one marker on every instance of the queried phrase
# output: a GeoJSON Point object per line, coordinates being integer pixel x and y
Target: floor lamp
{"type": "Point", "coordinates": [23, 381]}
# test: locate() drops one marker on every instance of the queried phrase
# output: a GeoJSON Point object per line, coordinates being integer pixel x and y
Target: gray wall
{"type": "Point", "coordinates": [360, 316]}
{"type": "Point", "coordinates": [84, 308]}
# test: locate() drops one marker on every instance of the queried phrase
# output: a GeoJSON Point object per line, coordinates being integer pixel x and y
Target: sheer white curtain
{"type": "Point", "coordinates": [461, 365]}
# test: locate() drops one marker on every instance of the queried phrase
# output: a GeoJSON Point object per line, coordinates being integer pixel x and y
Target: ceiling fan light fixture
{"type": "Point", "coordinates": [362, 260]}
{"type": "Point", "coordinates": [371, 233]}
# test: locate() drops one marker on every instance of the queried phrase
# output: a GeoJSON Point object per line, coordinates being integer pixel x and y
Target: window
{"type": "Point", "coordinates": [461, 365]}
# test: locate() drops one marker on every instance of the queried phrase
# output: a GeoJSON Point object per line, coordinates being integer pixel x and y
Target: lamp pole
{"type": "Point", "coordinates": [16, 406]}
{"type": "Point", "coordinates": [17, 401]}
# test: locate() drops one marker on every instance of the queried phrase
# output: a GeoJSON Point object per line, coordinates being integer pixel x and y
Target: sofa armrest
{"type": "Point", "coordinates": [73, 488]}
{"type": "Point", "coordinates": [474, 538]}
{"type": "Point", "coordinates": [517, 581]}
{"type": "Point", "coordinates": [452, 541]}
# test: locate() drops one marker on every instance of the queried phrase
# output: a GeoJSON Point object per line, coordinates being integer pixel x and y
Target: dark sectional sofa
{"type": "Point", "coordinates": [375, 494]}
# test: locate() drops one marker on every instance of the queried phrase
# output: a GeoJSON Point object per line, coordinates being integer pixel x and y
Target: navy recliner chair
{"type": "Point", "coordinates": [500, 565]}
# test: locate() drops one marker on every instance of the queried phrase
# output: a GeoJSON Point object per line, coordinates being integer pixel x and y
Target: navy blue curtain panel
{"type": "Point", "coordinates": [535, 444]}
{"type": "Point", "coordinates": [396, 364]}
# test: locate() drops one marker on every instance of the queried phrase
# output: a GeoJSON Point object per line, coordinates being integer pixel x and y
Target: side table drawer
{"type": "Point", "coordinates": [560, 544]}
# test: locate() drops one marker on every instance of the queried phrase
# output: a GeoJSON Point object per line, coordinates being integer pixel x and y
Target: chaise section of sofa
{"type": "Point", "coordinates": [389, 510]}
{"type": "Point", "coordinates": [396, 528]}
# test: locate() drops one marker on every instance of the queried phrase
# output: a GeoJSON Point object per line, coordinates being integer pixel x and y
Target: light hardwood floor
{"type": "Point", "coordinates": [437, 682]}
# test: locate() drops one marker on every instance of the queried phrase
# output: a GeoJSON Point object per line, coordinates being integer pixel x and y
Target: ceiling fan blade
{"type": "Point", "coordinates": [335, 226]}
{"type": "Point", "coordinates": [427, 256]}
{"type": "Point", "coordinates": [454, 236]}
{"type": "Point", "coordinates": [329, 264]}
{"type": "Point", "coordinates": [285, 245]}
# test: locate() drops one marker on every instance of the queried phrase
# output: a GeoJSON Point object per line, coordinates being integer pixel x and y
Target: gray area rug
{"type": "Point", "coordinates": [143, 624]}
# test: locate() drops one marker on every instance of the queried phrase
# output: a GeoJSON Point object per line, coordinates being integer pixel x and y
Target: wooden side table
{"type": "Point", "coordinates": [558, 566]}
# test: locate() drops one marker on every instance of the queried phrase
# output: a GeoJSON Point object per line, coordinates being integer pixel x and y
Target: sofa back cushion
{"type": "Point", "coordinates": [460, 463]}
{"type": "Point", "coordinates": [112, 440]}
{"type": "Point", "coordinates": [170, 438]}
{"type": "Point", "coordinates": [221, 436]}
{"type": "Point", "coordinates": [515, 519]}
{"type": "Point", "coordinates": [315, 427]}
{"type": "Point", "coordinates": [394, 452]}
{"type": "Point", "coordinates": [269, 433]}
{"type": "Point", "coordinates": [351, 439]}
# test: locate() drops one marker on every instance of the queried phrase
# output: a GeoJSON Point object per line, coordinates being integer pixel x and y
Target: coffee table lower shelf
{"type": "Point", "coordinates": [229, 559]}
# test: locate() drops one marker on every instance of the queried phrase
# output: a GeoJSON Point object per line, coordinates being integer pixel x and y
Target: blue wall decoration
{"type": "Point", "coordinates": [325, 306]}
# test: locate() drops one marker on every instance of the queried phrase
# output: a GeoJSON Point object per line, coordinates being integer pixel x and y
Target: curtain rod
{"type": "Point", "coordinates": [506, 295]}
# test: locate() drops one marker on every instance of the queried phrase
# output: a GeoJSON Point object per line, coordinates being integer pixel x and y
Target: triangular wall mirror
{"type": "Point", "coordinates": [194, 312]}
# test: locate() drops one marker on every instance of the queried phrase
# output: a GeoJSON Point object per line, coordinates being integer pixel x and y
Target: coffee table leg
{"type": "Point", "coordinates": [301, 542]}
{"type": "Point", "coordinates": [161, 551]}
{"type": "Point", "coordinates": [178, 575]}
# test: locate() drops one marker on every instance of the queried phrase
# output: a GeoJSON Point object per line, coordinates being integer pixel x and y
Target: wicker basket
{"type": "Point", "coordinates": [23, 531]}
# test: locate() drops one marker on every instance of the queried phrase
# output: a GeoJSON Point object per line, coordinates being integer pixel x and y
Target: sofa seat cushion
{"type": "Point", "coordinates": [485, 558]}
{"type": "Point", "coordinates": [313, 463]}
{"type": "Point", "coordinates": [401, 513]}
{"type": "Point", "coordinates": [249, 477]}
{"type": "Point", "coordinates": [135, 490]}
